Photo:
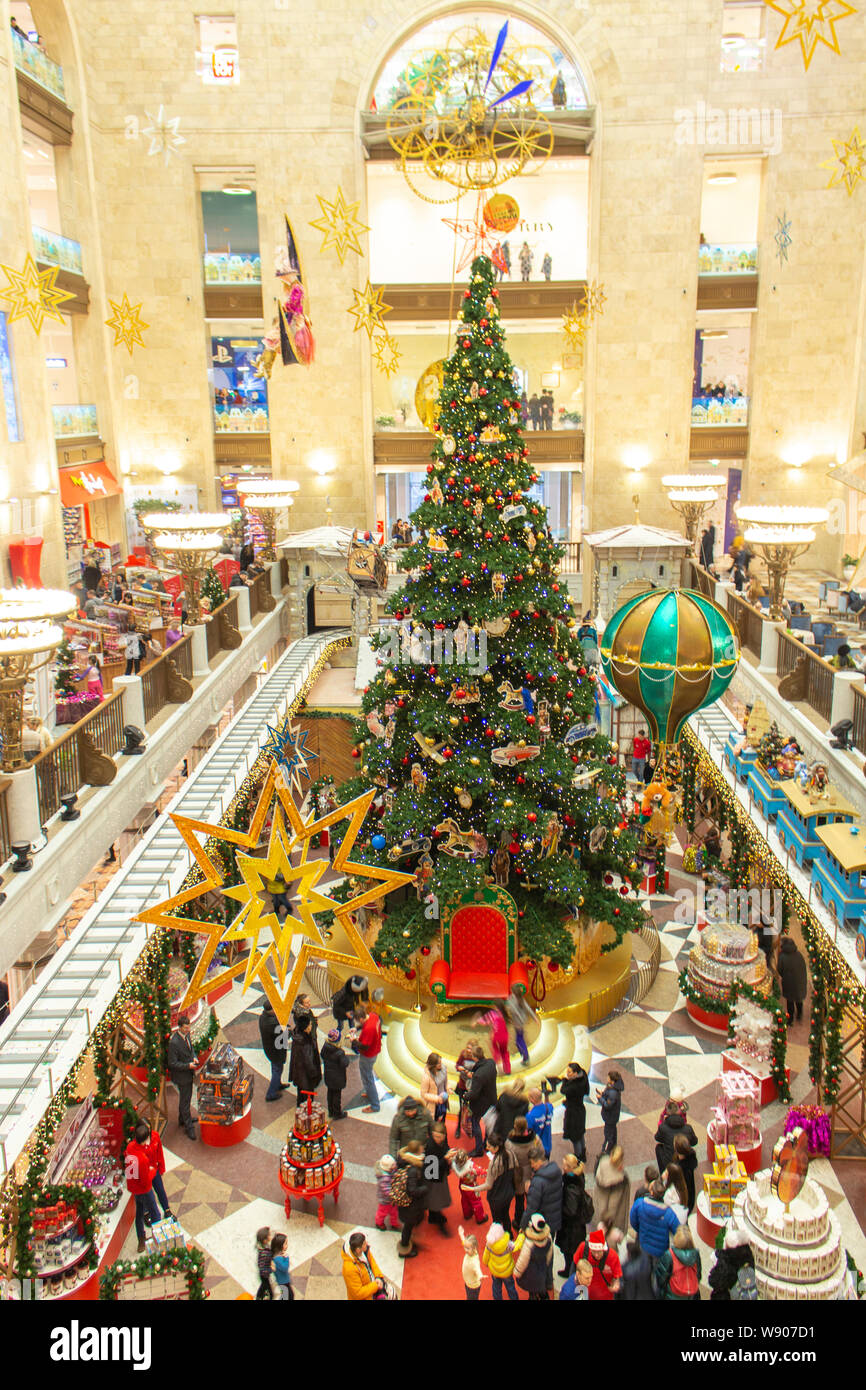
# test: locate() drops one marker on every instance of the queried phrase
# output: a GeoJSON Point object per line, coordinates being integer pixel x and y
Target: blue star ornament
{"type": "Point", "coordinates": [287, 745]}
{"type": "Point", "coordinates": [783, 237]}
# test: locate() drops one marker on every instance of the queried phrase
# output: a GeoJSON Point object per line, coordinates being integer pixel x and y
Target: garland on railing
{"type": "Point", "coordinates": [708, 1002]}
{"type": "Point", "coordinates": [30, 1199]}
{"type": "Point", "coordinates": [771, 1004]}
{"type": "Point", "coordinates": [837, 999]}
{"type": "Point", "coordinates": [181, 1261]}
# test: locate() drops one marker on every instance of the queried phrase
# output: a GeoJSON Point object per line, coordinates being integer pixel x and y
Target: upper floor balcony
{"type": "Point", "coordinates": [75, 422]}
{"type": "Point", "coordinates": [61, 251]}
{"type": "Point", "coordinates": [728, 276]}
{"type": "Point", "coordinates": [41, 92]}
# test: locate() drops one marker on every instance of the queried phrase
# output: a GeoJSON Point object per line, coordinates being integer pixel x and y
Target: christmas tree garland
{"type": "Point", "coordinates": [771, 1004]}
{"type": "Point", "coordinates": [160, 1263]}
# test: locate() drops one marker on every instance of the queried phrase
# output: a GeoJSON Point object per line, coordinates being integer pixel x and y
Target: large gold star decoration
{"type": "Point", "coordinates": [286, 865]}
{"type": "Point", "coordinates": [33, 293]}
{"type": "Point", "coordinates": [592, 301]}
{"type": "Point", "coordinates": [574, 325]}
{"type": "Point", "coordinates": [811, 22]}
{"type": "Point", "coordinates": [368, 309]}
{"type": "Point", "coordinates": [127, 323]}
{"type": "Point", "coordinates": [849, 165]}
{"type": "Point", "coordinates": [340, 225]}
{"type": "Point", "coordinates": [386, 353]}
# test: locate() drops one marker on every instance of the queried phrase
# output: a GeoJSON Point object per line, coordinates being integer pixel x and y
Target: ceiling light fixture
{"type": "Point", "coordinates": [727, 177]}
{"type": "Point", "coordinates": [237, 190]}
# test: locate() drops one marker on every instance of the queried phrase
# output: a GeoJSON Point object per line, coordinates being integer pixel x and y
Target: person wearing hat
{"type": "Point", "coordinates": [606, 1268]}
{"type": "Point", "coordinates": [673, 1124]}
{"type": "Point", "coordinates": [533, 1268]}
{"type": "Point", "coordinates": [335, 1065]}
{"type": "Point", "coordinates": [347, 999]}
{"type": "Point", "coordinates": [411, 1122]}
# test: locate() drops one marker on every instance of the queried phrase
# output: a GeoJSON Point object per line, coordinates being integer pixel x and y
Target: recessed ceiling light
{"type": "Point", "coordinates": [714, 333]}
{"type": "Point", "coordinates": [728, 177]}
{"type": "Point", "coordinates": [237, 190]}
{"type": "Point", "coordinates": [732, 40]}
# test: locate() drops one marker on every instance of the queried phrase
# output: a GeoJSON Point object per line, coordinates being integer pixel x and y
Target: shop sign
{"type": "Point", "coordinates": [91, 482]}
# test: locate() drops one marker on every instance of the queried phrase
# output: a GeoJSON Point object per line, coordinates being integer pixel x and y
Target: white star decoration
{"type": "Point", "coordinates": [163, 134]}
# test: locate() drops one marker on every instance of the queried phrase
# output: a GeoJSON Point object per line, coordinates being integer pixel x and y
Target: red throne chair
{"type": "Point", "coordinates": [479, 952]}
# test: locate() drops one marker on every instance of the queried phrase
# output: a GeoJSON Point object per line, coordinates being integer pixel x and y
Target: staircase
{"type": "Point", "coordinates": [401, 1062]}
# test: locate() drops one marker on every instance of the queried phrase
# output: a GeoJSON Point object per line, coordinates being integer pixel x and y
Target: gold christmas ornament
{"type": "Point", "coordinates": [33, 293]}
{"type": "Point", "coordinates": [574, 326]}
{"type": "Point", "coordinates": [592, 301]}
{"type": "Point", "coordinates": [340, 225]}
{"type": "Point", "coordinates": [810, 22]}
{"type": "Point", "coordinates": [849, 165]}
{"type": "Point", "coordinates": [386, 353]}
{"type": "Point", "coordinates": [427, 394]}
{"type": "Point", "coordinates": [126, 323]}
{"type": "Point", "coordinates": [268, 959]}
{"type": "Point", "coordinates": [368, 309]}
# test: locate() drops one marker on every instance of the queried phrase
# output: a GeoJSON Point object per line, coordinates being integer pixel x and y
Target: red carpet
{"type": "Point", "coordinates": [436, 1272]}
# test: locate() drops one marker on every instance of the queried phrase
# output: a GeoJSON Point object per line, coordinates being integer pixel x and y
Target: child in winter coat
{"type": "Point", "coordinates": [264, 1264]}
{"type": "Point", "coordinates": [533, 1268]}
{"type": "Point", "coordinates": [280, 1257]}
{"type": "Point", "coordinates": [539, 1121]}
{"type": "Point", "coordinates": [386, 1211]}
{"type": "Point", "coordinates": [471, 1269]}
{"type": "Point", "coordinates": [469, 1187]}
{"type": "Point", "coordinates": [610, 1100]}
{"type": "Point", "coordinates": [499, 1254]}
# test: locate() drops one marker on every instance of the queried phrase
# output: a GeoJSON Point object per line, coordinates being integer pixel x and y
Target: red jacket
{"type": "Point", "coordinates": [138, 1168]}
{"type": "Point", "coordinates": [641, 747]}
{"type": "Point", "coordinates": [370, 1037]}
{"type": "Point", "coordinates": [153, 1149]}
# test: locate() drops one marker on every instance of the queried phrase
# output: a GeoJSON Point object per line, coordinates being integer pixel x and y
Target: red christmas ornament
{"type": "Point", "coordinates": [552, 966]}
{"type": "Point", "coordinates": [530, 718]}
{"type": "Point", "coordinates": [425, 950]}
{"type": "Point", "coordinates": [356, 752]}
{"type": "Point", "coordinates": [465, 581]}
{"type": "Point", "coordinates": [448, 752]}
{"type": "Point", "coordinates": [410, 974]}
{"type": "Point", "coordinates": [532, 817]}
{"type": "Point", "coordinates": [616, 912]}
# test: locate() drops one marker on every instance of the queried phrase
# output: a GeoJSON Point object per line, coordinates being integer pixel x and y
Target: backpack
{"type": "Point", "coordinates": [399, 1188]}
{"type": "Point", "coordinates": [683, 1282]}
{"type": "Point", "coordinates": [587, 1211]}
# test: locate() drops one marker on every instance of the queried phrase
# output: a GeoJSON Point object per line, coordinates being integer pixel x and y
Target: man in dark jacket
{"type": "Point", "coordinates": [482, 1095]}
{"type": "Point", "coordinates": [181, 1061]}
{"type": "Point", "coordinates": [305, 1067]}
{"type": "Point", "coordinates": [343, 1003]}
{"type": "Point", "coordinates": [674, 1123]}
{"type": "Point", "coordinates": [545, 1190]}
{"type": "Point", "coordinates": [412, 1121]}
{"type": "Point", "coordinates": [275, 1042]}
{"type": "Point", "coordinates": [335, 1064]}
{"type": "Point", "coordinates": [792, 977]}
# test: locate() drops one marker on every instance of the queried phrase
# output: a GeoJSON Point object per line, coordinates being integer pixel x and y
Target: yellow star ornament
{"type": "Point", "coordinates": [574, 326]}
{"type": "Point", "coordinates": [368, 309]}
{"type": "Point", "coordinates": [287, 868]}
{"type": "Point", "coordinates": [849, 166]}
{"type": "Point", "coordinates": [340, 225]}
{"type": "Point", "coordinates": [386, 353]}
{"type": "Point", "coordinates": [810, 22]}
{"type": "Point", "coordinates": [127, 323]}
{"type": "Point", "coordinates": [33, 293]}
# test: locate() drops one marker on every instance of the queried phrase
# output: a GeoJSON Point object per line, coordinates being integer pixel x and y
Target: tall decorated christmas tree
{"type": "Point", "coordinates": [480, 718]}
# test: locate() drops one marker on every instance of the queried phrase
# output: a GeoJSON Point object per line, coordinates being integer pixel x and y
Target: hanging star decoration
{"type": "Point", "coordinates": [574, 327]}
{"type": "Point", "coordinates": [268, 961]}
{"type": "Point", "coordinates": [127, 323]}
{"type": "Point", "coordinates": [782, 237]}
{"type": "Point", "coordinates": [368, 309]}
{"type": "Point", "coordinates": [810, 22]}
{"type": "Point", "coordinates": [340, 225]}
{"type": "Point", "coordinates": [850, 162]}
{"type": "Point", "coordinates": [592, 301]}
{"type": "Point", "coordinates": [163, 134]}
{"type": "Point", "coordinates": [33, 293]}
{"type": "Point", "coordinates": [477, 241]}
{"type": "Point", "coordinates": [386, 353]}
{"type": "Point", "coordinates": [287, 745]}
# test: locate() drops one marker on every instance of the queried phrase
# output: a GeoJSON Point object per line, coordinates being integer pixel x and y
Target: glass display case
{"type": "Point", "coordinates": [240, 398]}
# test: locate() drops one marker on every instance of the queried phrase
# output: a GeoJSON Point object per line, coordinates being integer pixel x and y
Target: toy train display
{"type": "Point", "coordinates": [816, 826]}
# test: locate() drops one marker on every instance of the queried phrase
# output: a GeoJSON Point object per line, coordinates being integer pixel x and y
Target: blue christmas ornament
{"type": "Point", "coordinates": [378, 842]}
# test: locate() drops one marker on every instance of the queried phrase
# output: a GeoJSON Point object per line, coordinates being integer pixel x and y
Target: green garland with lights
{"type": "Point", "coordinates": [708, 1002]}
{"type": "Point", "coordinates": [169, 1262]}
{"type": "Point", "coordinates": [771, 1004]}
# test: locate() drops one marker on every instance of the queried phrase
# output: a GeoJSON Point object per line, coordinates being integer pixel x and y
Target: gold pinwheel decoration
{"type": "Point", "coordinates": [369, 308]}
{"type": "Point", "coordinates": [340, 225]}
{"type": "Point", "coordinates": [592, 300]}
{"type": "Point", "coordinates": [285, 867]}
{"type": "Point", "coordinates": [574, 326]}
{"type": "Point", "coordinates": [849, 165]}
{"type": "Point", "coordinates": [810, 22]}
{"type": "Point", "coordinates": [386, 353]}
{"type": "Point", "coordinates": [126, 323]}
{"type": "Point", "coordinates": [33, 293]}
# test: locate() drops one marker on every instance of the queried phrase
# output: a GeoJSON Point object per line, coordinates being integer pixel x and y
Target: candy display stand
{"type": "Point", "coordinates": [225, 1099]}
{"type": "Point", "coordinates": [736, 1121]}
{"type": "Point", "coordinates": [726, 952]}
{"type": "Point", "coordinates": [721, 1188]}
{"type": "Point", "coordinates": [311, 1163]}
{"type": "Point", "coordinates": [751, 1051]}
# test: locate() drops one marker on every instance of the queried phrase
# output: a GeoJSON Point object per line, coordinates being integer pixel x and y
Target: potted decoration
{"type": "Point", "coordinates": [849, 565]}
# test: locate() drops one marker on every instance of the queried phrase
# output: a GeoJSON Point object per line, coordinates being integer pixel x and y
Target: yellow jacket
{"type": "Point", "coordinates": [359, 1286]}
{"type": "Point", "coordinates": [499, 1257]}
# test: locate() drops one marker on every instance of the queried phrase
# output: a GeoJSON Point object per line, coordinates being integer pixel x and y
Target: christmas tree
{"type": "Point", "coordinates": [64, 669]}
{"type": "Point", "coordinates": [485, 744]}
{"type": "Point", "coordinates": [212, 589]}
{"type": "Point", "coordinates": [770, 746]}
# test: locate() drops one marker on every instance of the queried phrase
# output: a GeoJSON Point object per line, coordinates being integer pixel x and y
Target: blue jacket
{"type": "Point", "coordinates": [654, 1223]}
{"type": "Point", "coordinates": [539, 1122]}
{"type": "Point", "coordinates": [611, 1102]}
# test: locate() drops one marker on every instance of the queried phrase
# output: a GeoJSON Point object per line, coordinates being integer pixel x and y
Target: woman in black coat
{"type": "Point", "coordinates": [575, 1089]}
{"type": "Point", "coordinates": [572, 1232]}
{"type": "Point", "coordinates": [418, 1191]}
{"type": "Point", "coordinates": [436, 1170]}
{"type": "Point", "coordinates": [686, 1157]}
{"type": "Point", "coordinates": [305, 1066]}
{"type": "Point", "coordinates": [511, 1103]}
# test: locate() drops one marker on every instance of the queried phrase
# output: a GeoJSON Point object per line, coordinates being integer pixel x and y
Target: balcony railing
{"type": "Point", "coordinates": [54, 249]}
{"type": "Point", "coordinates": [748, 621]}
{"type": "Point", "coordinates": [731, 258]}
{"type": "Point", "coordinates": [5, 837]}
{"type": "Point", "coordinates": [38, 66]}
{"type": "Point", "coordinates": [241, 419]}
{"type": "Point", "coordinates": [714, 411]}
{"type": "Point", "coordinates": [819, 689]}
{"type": "Point", "coordinates": [858, 736]}
{"type": "Point", "coordinates": [74, 421]}
{"type": "Point", "coordinates": [227, 268]}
